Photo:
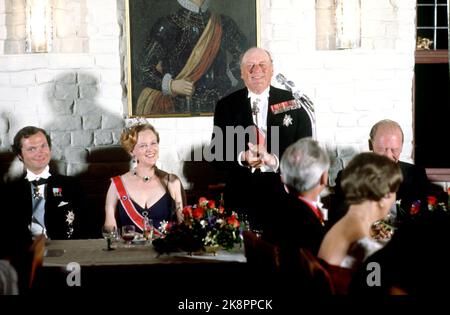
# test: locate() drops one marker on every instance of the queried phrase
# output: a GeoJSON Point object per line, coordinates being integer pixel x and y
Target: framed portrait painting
{"type": "Point", "coordinates": [183, 55]}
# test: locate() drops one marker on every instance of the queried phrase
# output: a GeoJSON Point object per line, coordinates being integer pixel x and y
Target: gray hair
{"type": "Point", "coordinates": [302, 165]}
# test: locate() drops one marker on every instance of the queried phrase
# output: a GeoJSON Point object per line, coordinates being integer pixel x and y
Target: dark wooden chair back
{"type": "Point", "coordinates": [261, 253]}
{"type": "Point", "coordinates": [37, 250]}
{"type": "Point", "coordinates": [341, 277]}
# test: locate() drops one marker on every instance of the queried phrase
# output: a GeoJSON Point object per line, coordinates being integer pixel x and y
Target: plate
{"type": "Point", "coordinates": [139, 241]}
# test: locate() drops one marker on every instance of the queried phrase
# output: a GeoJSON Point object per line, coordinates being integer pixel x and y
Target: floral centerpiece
{"type": "Point", "coordinates": [437, 203]}
{"type": "Point", "coordinates": [440, 203]}
{"type": "Point", "coordinates": [205, 227]}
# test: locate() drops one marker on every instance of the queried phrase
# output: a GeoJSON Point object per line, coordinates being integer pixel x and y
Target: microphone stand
{"type": "Point", "coordinates": [255, 111]}
{"type": "Point", "coordinates": [301, 99]}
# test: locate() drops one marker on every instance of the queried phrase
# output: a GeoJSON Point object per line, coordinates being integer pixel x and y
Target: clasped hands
{"type": "Point", "coordinates": [257, 156]}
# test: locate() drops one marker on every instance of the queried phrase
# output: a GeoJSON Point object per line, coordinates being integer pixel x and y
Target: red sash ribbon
{"type": "Point", "coordinates": [128, 206]}
{"type": "Point", "coordinates": [260, 137]}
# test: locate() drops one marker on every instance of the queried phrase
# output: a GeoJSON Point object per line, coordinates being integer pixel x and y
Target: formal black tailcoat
{"type": "Point", "coordinates": [64, 212]}
{"type": "Point", "coordinates": [250, 192]}
{"type": "Point", "coordinates": [64, 206]}
{"type": "Point", "coordinates": [298, 227]}
{"type": "Point", "coordinates": [414, 187]}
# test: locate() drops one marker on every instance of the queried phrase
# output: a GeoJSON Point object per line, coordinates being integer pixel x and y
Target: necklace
{"type": "Point", "coordinates": [146, 179]}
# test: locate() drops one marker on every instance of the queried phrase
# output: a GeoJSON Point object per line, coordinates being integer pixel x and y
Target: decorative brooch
{"type": "Point", "coordinates": [57, 192]}
{"type": "Point", "coordinates": [287, 120]}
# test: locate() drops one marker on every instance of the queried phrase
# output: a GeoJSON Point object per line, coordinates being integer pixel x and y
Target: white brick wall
{"type": "Point", "coordinates": [351, 89]}
{"type": "Point", "coordinates": [77, 89]}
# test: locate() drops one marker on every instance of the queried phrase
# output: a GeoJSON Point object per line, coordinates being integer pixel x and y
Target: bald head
{"type": "Point", "coordinates": [386, 138]}
{"type": "Point", "coordinates": [256, 69]}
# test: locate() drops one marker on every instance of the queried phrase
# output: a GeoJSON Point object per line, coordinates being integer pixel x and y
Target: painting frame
{"type": "Point", "coordinates": [140, 29]}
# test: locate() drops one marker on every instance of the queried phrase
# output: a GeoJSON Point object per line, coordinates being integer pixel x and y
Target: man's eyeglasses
{"type": "Point", "coordinates": [250, 67]}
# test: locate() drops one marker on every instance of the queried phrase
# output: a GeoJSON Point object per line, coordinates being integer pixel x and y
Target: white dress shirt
{"type": "Point", "coordinates": [262, 101]}
{"type": "Point", "coordinates": [37, 227]}
{"type": "Point", "coordinates": [260, 120]}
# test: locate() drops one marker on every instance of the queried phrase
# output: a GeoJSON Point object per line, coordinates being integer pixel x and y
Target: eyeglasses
{"type": "Point", "coordinates": [250, 67]}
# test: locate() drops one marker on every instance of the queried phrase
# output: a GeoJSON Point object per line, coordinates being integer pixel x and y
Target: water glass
{"type": "Point", "coordinates": [109, 233]}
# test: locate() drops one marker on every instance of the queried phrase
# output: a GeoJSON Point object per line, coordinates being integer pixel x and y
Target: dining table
{"type": "Point", "coordinates": [138, 275]}
{"type": "Point", "coordinates": [86, 264]}
{"type": "Point", "coordinates": [93, 252]}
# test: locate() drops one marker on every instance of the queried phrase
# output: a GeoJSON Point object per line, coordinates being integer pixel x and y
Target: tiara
{"type": "Point", "coordinates": [135, 121]}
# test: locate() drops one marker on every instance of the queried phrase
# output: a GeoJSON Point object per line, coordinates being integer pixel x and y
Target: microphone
{"type": "Point", "coordinates": [301, 99]}
{"type": "Point", "coordinates": [290, 86]}
{"type": "Point", "coordinates": [282, 79]}
{"type": "Point", "coordinates": [255, 108]}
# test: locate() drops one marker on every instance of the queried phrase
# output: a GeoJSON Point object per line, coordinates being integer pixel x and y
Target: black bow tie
{"type": "Point", "coordinates": [40, 181]}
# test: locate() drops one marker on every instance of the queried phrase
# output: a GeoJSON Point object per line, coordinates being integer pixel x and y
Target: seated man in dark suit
{"type": "Point", "coordinates": [386, 138]}
{"type": "Point", "coordinates": [43, 202]}
{"type": "Point", "coordinates": [39, 202]}
{"type": "Point", "coordinates": [299, 222]}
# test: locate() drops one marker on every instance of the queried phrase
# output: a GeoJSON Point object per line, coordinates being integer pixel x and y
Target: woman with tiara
{"type": "Point", "coordinates": [145, 192]}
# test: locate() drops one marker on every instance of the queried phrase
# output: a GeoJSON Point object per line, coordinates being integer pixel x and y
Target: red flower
{"type": "Point", "coordinates": [415, 207]}
{"type": "Point", "coordinates": [432, 200]}
{"type": "Point", "coordinates": [232, 220]}
{"type": "Point", "coordinates": [202, 201]}
{"type": "Point", "coordinates": [198, 212]}
{"type": "Point", "coordinates": [221, 209]}
{"type": "Point", "coordinates": [211, 204]}
{"type": "Point", "coordinates": [168, 226]}
{"type": "Point", "coordinates": [187, 211]}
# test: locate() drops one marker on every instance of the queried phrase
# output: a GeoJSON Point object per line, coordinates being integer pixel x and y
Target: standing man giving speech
{"type": "Point", "coordinates": [265, 120]}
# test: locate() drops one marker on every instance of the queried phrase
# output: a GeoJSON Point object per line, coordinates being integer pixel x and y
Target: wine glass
{"type": "Point", "coordinates": [128, 234]}
{"type": "Point", "coordinates": [148, 229]}
{"type": "Point", "coordinates": [109, 233]}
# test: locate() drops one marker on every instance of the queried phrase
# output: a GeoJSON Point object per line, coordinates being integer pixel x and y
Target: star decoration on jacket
{"type": "Point", "coordinates": [287, 120]}
{"type": "Point", "coordinates": [37, 193]}
{"type": "Point", "coordinates": [70, 216]}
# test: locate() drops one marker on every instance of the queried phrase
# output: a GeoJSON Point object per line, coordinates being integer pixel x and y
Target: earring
{"type": "Point", "coordinates": [134, 163]}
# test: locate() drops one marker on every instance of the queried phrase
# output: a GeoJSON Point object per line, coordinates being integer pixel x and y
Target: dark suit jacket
{"type": "Point", "coordinates": [235, 110]}
{"type": "Point", "coordinates": [64, 197]}
{"type": "Point", "coordinates": [415, 186]}
{"type": "Point", "coordinates": [246, 191]}
{"type": "Point", "coordinates": [298, 227]}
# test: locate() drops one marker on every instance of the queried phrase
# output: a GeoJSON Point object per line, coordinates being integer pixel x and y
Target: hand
{"type": "Point", "coordinates": [257, 156]}
{"type": "Point", "coordinates": [182, 87]}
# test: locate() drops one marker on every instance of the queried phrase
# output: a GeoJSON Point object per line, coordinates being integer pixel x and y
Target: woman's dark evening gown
{"type": "Point", "coordinates": [159, 211]}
